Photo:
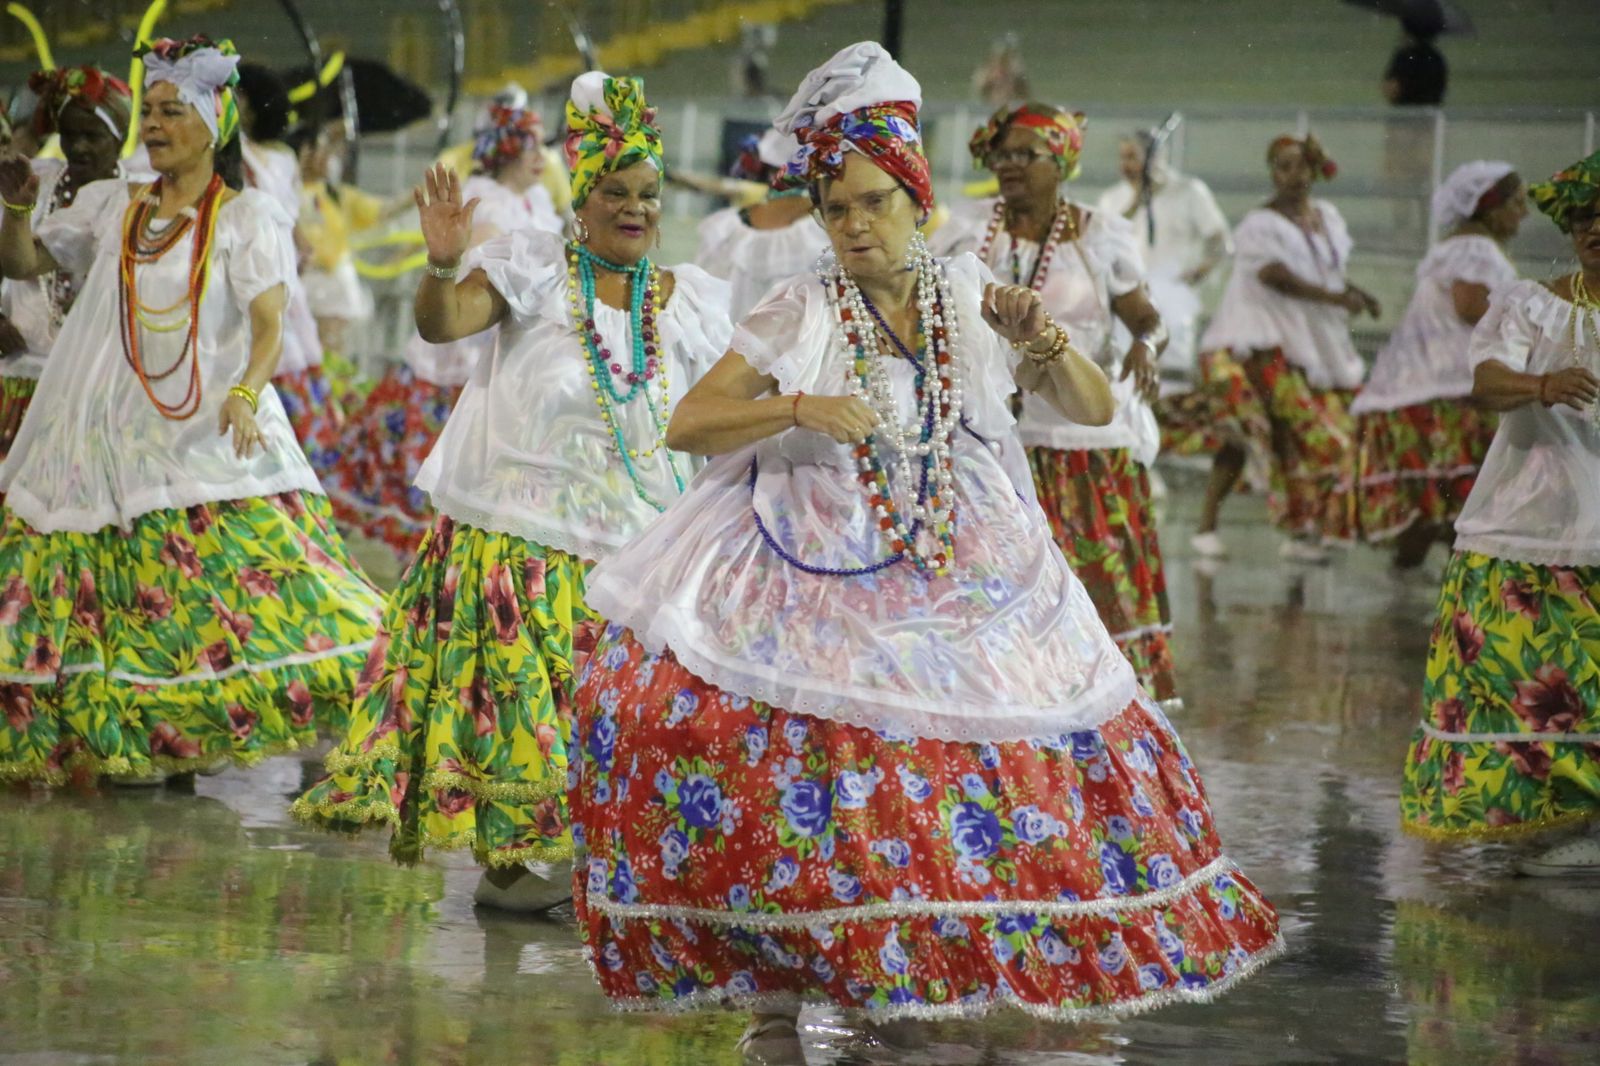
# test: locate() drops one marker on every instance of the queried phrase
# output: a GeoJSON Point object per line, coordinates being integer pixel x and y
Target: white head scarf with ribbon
{"type": "Point", "coordinates": [1457, 197]}
{"type": "Point", "coordinates": [200, 77]}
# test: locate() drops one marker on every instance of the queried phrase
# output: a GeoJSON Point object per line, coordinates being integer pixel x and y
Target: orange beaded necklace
{"type": "Point", "coordinates": [137, 317]}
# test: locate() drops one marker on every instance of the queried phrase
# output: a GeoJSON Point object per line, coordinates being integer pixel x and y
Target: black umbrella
{"type": "Point", "coordinates": [385, 101]}
{"type": "Point", "coordinates": [1424, 18]}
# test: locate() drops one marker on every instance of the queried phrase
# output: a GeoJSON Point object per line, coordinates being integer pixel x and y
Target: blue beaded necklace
{"type": "Point", "coordinates": [646, 362]}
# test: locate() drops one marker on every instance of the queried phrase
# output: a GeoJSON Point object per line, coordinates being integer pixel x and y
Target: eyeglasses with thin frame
{"type": "Point", "coordinates": [1015, 157]}
{"type": "Point", "coordinates": [873, 206]}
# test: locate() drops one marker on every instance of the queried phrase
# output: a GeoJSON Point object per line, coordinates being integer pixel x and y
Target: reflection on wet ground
{"type": "Point", "coordinates": [158, 926]}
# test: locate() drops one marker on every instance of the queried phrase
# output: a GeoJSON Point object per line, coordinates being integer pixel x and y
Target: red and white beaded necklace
{"type": "Point", "coordinates": [1059, 224]}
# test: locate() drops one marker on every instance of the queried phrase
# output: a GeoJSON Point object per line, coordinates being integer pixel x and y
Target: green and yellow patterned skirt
{"type": "Point", "coordinates": [1510, 739]}
{"type": "Point", "coordinates": [218, 633]}
{"type": "Point", "coordinates": [463, 715]}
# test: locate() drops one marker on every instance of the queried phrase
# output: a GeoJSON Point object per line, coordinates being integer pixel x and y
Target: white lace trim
{"type": "Point", "coordinates": [1509, 738]}
{"type": "Point", "coordinates": [1141, 1004]}
{"type": "Point", "coordinates": [33, 511]}
{"type": "Point", "coordinates": [918, 908]}
{"type": "Point", "coordinates": [302, 658]}
{"type": "Point", "coordinates": [881, 712]}
{"type": "Point", "coordinates": [579, 545]}
{"type": "Point", "coordinates": [1515, 550]}
{"type": "Point", "coordinates": [1142, 631]}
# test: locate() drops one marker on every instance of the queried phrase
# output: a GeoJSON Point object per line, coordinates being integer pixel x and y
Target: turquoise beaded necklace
{"type": "Point", "coordinates": [647, 364]}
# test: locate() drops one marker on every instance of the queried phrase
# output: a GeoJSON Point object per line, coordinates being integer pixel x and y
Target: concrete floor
{"type": "Point", "coordinates": [171, 928]}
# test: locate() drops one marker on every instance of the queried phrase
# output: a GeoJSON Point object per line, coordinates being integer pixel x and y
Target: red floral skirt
{"type": "Point", "coordinates": [368, 475]}
{"type": "Point", "coordinates": [1303, 436]}
{"type": "Point", "coordinates": [1098, 505]}
{"type": "Point", "coordinates": [1413, 464]}
{"type": "Point", "coordinates": [734, 853]}
{"type": "Point", "coordinates": [313, 411]}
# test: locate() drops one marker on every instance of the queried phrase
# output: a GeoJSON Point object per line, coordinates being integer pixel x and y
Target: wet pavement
{"type": "Point", "coordinates": [158, 926]}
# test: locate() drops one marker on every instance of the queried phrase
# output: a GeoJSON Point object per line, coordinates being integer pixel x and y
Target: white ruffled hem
{"type": "Point", "coordinates": [1520, 550]}
{"type": "Point", "coordinates": [32, 510]}
{"type": "Point", "coordinates": [878, 711]}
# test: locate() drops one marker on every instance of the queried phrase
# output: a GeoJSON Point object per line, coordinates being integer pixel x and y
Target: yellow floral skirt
{"type": "Point", "coordinates": [1510, 739]}
{"type": "Point", "coordinates": [463, 718]}
{"type": "Point", "coordinates": [201, 636]}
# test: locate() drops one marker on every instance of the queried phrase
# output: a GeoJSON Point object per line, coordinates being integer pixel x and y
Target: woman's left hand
{"type": "Point", "coordinates": [237, 416]}
{"type": "Point", "coordinates": [1140, 364]}
{"type": "Point", "coordinates": [1015, 312]}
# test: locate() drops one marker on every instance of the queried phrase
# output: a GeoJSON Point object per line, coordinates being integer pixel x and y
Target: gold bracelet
{"type": "Point", "coordinates": [18, 210]}
{"type": "Point", "coordinates": [1059, 346]}
{"type": "Point", "coordinates": [248, 395]}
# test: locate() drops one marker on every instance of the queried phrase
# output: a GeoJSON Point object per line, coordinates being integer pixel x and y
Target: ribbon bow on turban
{"type": "Point", "coordinates": [508, 132]}
{"type": "Point", "coordinates": [108, 98]}
{"type": "Point", "coordinates": [609, 128]}
{"type": "Point", "coordinates": [205, 73]}
{"type": "Point", "coordinates": [1573, 187]}
{"type": "Point", "coordinates": [1059, 129]}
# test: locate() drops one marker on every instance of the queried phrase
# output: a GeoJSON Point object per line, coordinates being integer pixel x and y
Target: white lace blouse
{"type": "Point", "coordinates": [1426, 356]}
{"type": "Point", "coordinates": [1084, 276]}
{"type": "Point", "coordinates": [525, 451]}
{"type": "Point", "coordinates": [1005, 646]}
{"type": "Point", "coordinates": [93, 451]}
{"type": "Point", "coordinates": [1537, 497]}
{"type": "Point", "coordinates": [1314, 337]}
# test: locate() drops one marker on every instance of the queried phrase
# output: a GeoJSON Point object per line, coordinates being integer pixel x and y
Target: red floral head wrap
{"type": "Point", "coordinates": [1321, 165]}
{"type": "Point", "coordinates": [885, 133]}
{"type": "Point", "coordinates": [107, 97]}
{"type": "Point", "coordinates": [1060, 130]}
{"type": "Point", "coordinates": [504, 135]}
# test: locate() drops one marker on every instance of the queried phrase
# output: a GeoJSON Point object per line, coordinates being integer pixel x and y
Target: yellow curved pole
{"type": "Point", "coordinates": [41, 43]}
{"type": "Point", "coordinates": [147, 26]}
{"type": "Point", "coordinates": [330, 70]}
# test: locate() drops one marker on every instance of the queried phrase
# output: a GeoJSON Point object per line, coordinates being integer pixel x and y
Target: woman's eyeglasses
{"type": "Point", "coordinates": [873, 206]}
{"type": "Point", "coordinates": [1014, 157]}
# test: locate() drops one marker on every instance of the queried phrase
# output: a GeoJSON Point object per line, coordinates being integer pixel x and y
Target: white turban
{"type": "Point", "coordinates": [775, 148]}
{"type": "Point", "coordinates": [199, 76]}
{"type": "Point", "coordinates": [859, 76]}
{"type": "Point", "coordinates": [1456, 199]}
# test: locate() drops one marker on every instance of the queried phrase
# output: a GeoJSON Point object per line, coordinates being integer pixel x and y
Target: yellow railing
{"type": "Point", "coordinates": [644, 37]}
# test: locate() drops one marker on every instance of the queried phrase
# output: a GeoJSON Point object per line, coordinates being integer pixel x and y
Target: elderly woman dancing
{"type": "Point", "coordinates": [176, 597]}
{"type": "Point", "coordinates": [552, 458]}
{"type": "Point", "coordinates": [855, 733]}
{"type": "Point", "coordinates": [1509, 744]}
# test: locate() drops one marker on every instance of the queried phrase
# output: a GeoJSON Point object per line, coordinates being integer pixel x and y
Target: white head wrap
{"type": "Point", "coordinates": [198, 76]}
{"type": "Point", "coordinates": [774, 148]}
{"type": "Point", "coordinates": [1456, 199]}
{"type": "Point", "coordinates": [859, 76]}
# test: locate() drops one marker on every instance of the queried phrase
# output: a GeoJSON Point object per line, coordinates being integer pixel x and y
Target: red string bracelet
{"type": "Point", "coordinates": [794, 413]}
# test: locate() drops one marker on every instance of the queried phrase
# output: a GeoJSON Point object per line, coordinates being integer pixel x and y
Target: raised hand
{"type": "Point", "coordinates": [19, 185]}
{"type": "Point", "coordinates": [446, 221]}
{"type": "Point", "coordinates": [1015, 312]}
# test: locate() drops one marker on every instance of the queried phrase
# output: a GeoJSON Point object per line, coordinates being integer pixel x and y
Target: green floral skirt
{"type": "Point", "coordinates": [1510, 739]}
{"type": "Point", "coordinates": [218, 633]}
{"type": "Point", "coordinates": [463, 715]}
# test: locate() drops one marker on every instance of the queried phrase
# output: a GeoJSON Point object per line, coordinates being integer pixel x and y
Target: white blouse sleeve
{"type": "Point", "coordinates": [72, 234]}
{"type": "Point", "coordinates": [1116, 248]}
{"type": "Point", "coordinates": [1338, 233]}
{"type": "Point", "coordinates": [698, 314]}
{"type": "Point", "coordinates": [1260, 240]}
{"type": "Point", "coordinates": [1477, 260]}
{"type": "Point", "coordinates": [254, 236]}
{"type": "Point", "coordinates": [769, 336]}
{"type": "Point", "coordinates": [1506, 333]}
{"type": "Point", "coordinates": [1209, 221]}
{"type": "Point", "coordinates": [527, 268]}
